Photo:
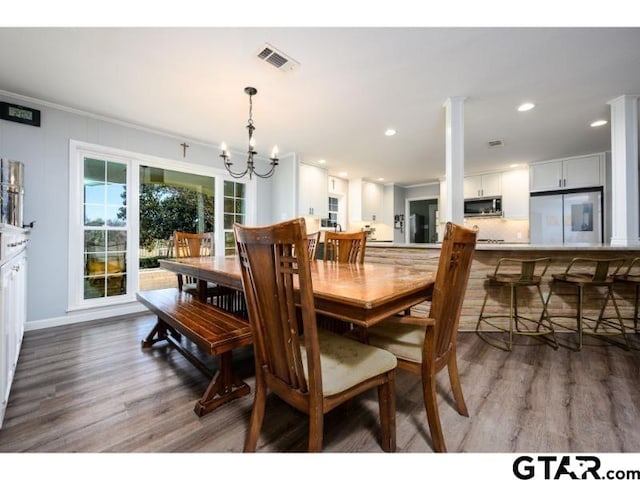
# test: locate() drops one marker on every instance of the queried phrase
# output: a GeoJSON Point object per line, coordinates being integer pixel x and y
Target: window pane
{"type": "Point", "coordinates": [94, 215]}
{"type": "Point", "coordinates": [229, 205]}
{"type": "Point", "coordinates": [170, 201]}
{"type": "Point", "coordinates": [116, 285]}
{"type": "Point", "coordinates": [94, 241]}
{"type": "Point", "coordinates": [229, 189]}
{"type": "Point", "coordinates": [116, 216]}
{"type": "Point", "coordinates": [116, 263]}
{"type": "Point", "coordinates": [116, 194]}
{"type": "Point", "coordinates": [94, 287]}
{"type": "Point", "coordinates": [94, 193]}
{"type": "Point", "coordinates": [117, 173]}
{"type": "Point", "coordinates": [228, 221]}
{"type": "Point", "coordinates": [240, 189]}
{"type": "Point", "coordinates": [239, 206]}
{"type": "Point", "coordinates": [117, 240]}
{"type": "Point", "coordinates": [240, 219]}
{"type": "Point", "coordinates": [229, 240]}
{"type": "Point", "coordinates": [94, 264]}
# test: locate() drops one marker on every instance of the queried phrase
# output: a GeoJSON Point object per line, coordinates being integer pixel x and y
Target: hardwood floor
{"type": "Point", "coordinates": [90, 388]}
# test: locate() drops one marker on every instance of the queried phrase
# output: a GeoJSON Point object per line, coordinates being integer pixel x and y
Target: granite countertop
{"type": "Point", "coordinates": [508, 246]}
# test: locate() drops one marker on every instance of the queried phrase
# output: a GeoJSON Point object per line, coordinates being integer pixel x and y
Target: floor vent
{"type": "Point", "coordinates": [277, 58]}
{"type": "Point", "coordinates": [495, 143]}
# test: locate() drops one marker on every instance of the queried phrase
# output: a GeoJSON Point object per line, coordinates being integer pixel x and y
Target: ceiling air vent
{"type": "Point", "coordinates": [495, 143]}
{"type": "Point", "coordinates": [277, 58]}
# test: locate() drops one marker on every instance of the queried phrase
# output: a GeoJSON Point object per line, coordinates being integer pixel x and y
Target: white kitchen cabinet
{"type": "Point", "coordinates": [573, 172]}
{"type": "Point", "coordinates": [313, 192]}
{"type": "Point", "coordinates": [372, 201]}
{"type": "Point", "coordinates": [338, 185]}
{"type": "Point", "coordinates": [13, 312]}
{"type": "Point", "coordinates": [487, 185]}
{"type": "Point", "coordinates": [365, 201]}
{"type": "Point", "coordinates": [515, 194]}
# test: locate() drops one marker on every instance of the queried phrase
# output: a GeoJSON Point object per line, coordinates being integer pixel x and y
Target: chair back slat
{"type": "Point", "coordinates": [271, 273]}
{"type": "Point", "coordinates": [451, 283]}
{"type": "Point", "coordinates": [312, 242]}
{"type": "Point", "coordinates": [193, 244]}
{"type": "Point", "coordinates": [345, 247]}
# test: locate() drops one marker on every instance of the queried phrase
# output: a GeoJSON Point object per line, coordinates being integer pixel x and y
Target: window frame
{"type": "Point", "coordinates": [78, 150]}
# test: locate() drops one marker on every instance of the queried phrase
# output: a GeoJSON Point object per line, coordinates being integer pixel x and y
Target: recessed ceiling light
{"type": "Point", "coordinates": [599, 123]}
{"type": "Point", "coordinates": [343, 174]}
{"type": "Point", "coordinates": [322, 160]}
{"type": "Point", "coordinates": [390, 132]}
{"type": "Point", "coordinates": [380, 179]}
{"type": "Point", "coordinates": [514, 165]}
{"type": "Point", "coordinates": [525, 107]}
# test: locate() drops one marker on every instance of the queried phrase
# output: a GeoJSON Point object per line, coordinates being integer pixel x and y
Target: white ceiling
{"type": "Point", "coordinates": [352, 84]}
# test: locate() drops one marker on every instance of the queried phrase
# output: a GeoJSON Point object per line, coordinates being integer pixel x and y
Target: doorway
{"type": "Point", "coordinates": [422, 221]}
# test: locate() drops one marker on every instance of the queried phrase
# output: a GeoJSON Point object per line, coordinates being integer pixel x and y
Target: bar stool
{"type": "Point", "coordinates": [589, 272]}
{"type": "Point", "coordinates": [631, 277]}
{"type": "Point", "coordinates": [521, 273]}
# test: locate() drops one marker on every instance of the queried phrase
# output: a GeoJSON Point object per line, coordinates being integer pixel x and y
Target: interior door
{"type": "Point", "coordinates": [422, 221]}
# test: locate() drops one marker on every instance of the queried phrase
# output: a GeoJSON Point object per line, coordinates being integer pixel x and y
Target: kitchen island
{"type": "Point", "coordinates": [485, 259]}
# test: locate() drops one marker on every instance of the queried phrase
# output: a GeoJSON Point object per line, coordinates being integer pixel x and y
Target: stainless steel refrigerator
{"type": "Point", "coordinates": [571, 218]}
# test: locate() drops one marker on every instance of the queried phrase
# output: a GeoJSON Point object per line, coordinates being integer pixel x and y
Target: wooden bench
{"type": "Point", "coordinates": [213, 330]}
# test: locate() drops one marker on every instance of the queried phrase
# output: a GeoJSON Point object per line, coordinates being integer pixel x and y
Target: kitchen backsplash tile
{"type": "Point", "coordinates": [511, 231]}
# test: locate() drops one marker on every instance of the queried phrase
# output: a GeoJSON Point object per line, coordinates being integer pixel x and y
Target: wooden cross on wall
{"type": "Point", "coordinates": [184, 146]}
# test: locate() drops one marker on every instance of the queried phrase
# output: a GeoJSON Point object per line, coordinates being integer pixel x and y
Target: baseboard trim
{"type": "Point", "coordinates": [86, 316]}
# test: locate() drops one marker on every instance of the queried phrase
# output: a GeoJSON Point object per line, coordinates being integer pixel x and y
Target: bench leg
{"type": "Point", "coordinates": [159, 333]}
{"type": "Point", "coordinates": [224, 387]}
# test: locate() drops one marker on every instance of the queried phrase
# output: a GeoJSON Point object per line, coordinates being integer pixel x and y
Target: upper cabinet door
{"type": "Point", "coordinates": [487, 185]}
{"type": "Point", "coordinates": [314, 192]}
{"type": "Point", "coordinates": [575, 172]}
{"type": "Point", "coordinates": [545, 176]}
{"type": "Point", "coordinates": [473, 186]}
{"type": "Point", "coordinates": [582, 172]}
{"type": "Point", "coordinates": [491, 185]}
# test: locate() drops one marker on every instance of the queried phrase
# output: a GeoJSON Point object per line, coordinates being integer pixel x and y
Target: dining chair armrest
{"type": "Point", "coordinates": [413, 320]}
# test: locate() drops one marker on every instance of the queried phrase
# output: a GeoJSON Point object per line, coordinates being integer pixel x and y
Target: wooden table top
{"type": "Point", "coordinates": [363, 294]}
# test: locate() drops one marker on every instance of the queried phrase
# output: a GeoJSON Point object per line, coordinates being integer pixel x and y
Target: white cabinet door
{"type": "Point", "coordinates": [487, 185]}
{"type": "Point", "coordinates": [545, 176]}
{"type": "Point", "coordinates": [473, 186]}
{"type": "Point", "coordinates": [515, 194]}
{"type": "Point", "coordinates": [314, 193]}
{"type": "Point", "coordinates": [582, 172]}
{"type": "Point", "coordinates": [491, 185]}
{"type": "Point", "coordinates": [372, 201]}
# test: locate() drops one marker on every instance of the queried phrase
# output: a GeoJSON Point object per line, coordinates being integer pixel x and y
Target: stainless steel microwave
{"type": "Point", "coordinates": [483, 207]}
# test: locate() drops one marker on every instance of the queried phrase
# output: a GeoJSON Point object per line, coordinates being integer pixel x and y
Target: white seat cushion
{"type": "Point", "coordinates": [346, 363]}
{"type": "Point", "coordinates": [404, 341]}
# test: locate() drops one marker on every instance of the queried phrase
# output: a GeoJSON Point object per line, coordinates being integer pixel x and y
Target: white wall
{"type": "Point", "coordinates": [45, 154]}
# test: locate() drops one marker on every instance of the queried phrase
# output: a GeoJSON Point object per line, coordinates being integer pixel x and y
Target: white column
{"type": "Point", "coordinates": [454, 159]}
{"type": "Point", "coordinates": [625, 206]}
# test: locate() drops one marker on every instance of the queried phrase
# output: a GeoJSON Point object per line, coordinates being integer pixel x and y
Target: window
{"type": "Point", "coordinates": [333, 212]}
{"type": "Point", "coordinates": [234, 212]}
{"type": "Point", "coordinates": [123, 209]}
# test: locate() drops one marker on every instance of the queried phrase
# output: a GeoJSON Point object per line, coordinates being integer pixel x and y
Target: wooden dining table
{"type": "Point", "coordinates": [362, 294]}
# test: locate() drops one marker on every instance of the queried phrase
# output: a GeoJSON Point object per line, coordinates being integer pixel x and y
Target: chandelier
{"type": "Point", "coordinates": [250, 168]}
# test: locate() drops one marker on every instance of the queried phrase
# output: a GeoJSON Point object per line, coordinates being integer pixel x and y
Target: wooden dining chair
{"type": "Point", "coordinates": [344, 247]}
{"type": "Point", "coordinates": [424, 346]}
{"type": "Point", "coordinates": [312, 241]}
{"type": "Point", "coordinates": [311, 369]}
{"type": "Point", "coordinates": [193, 245]}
